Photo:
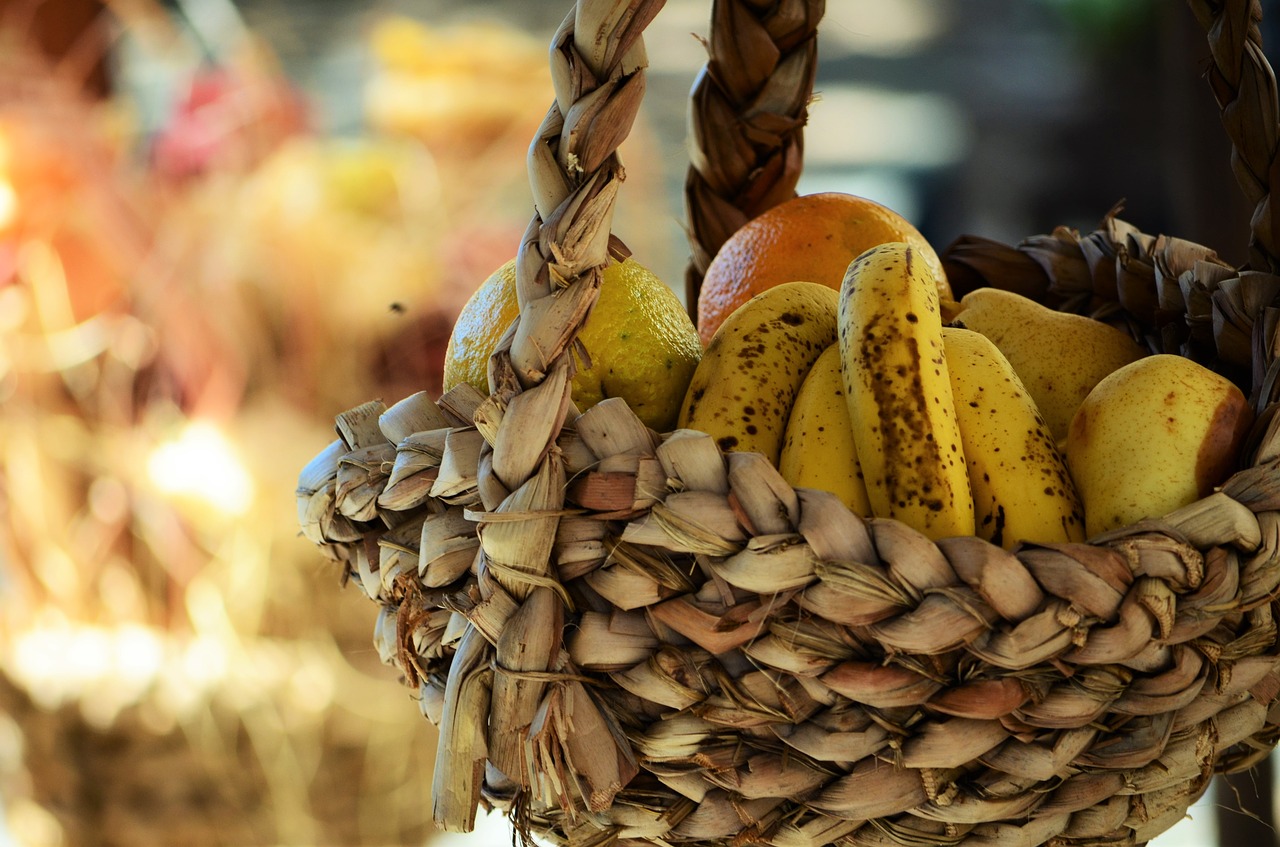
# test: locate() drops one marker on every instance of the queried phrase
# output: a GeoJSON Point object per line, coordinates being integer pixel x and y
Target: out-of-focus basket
{"type": "Point", "coordinates": [279, 745]}
{"type": "Point", "coordinates": [567, 592]}
{"type": "Point", "coordinates": [159, 683]}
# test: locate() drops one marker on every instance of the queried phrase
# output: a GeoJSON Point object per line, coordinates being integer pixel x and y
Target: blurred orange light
{"type": "Point", "coordinates": [8, 204]}
{"type": "Point", "coordinates": [202, 463]}
{"type": "Point", "coordinates": [8, 194]}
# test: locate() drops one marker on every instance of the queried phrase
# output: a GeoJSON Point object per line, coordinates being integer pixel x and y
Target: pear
{"type": "Point", "coordinates": [1151, 437]}
{"type": "Point", "coordinates": [1058, 356]}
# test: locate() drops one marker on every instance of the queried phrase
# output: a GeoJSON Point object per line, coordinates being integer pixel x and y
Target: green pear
{"type": "Point", "coordinates": [1153, 436]}
{"type": "Point", "coordinates": [1058, 356]}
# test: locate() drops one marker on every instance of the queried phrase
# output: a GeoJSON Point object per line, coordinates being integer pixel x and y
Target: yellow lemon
{"type": "Point", "coordinates": [643, 345]}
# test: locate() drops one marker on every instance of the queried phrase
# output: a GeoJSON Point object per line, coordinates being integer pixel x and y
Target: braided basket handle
{"type": "Point", "coordinates": [597, 64]}
{"type": "Point", "coordinates": [747, 114]}
{"type": "Point", "coordinates": [598, 70]}
{"type": "Point", "coordinates": [1245, 87]}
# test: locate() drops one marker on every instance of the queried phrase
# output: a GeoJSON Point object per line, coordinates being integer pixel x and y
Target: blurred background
{"type": "Point", "coordinates": [222, 223]}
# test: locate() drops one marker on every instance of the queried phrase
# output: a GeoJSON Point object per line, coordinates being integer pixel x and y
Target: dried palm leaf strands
{"type": "Point", "coordinates": [746, 123]}
{"type": "Point", "coordinates": [850, 700]}
{"type": "Point", "coordinates": [1160, 564]}
{"type": "Point", "coordinates": [1244, 85]}
{"type": "Point", "coordinates": [541, 728]}
{"type": "Point", "coordinates": [1083, 658]}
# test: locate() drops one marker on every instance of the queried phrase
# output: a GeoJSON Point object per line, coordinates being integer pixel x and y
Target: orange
{"type": "Point", "coordinates": [810, 238]}
{"type": "Point", "coordinates": [642, 343]}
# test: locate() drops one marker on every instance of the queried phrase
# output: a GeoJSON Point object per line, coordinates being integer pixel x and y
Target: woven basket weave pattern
{"type": "Point", "coordinates": [575, 597]}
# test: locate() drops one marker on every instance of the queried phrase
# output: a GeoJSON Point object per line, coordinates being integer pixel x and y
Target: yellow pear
{"type": "Point", "coordinates": [1153, 436]}
{"type": "Point", "coordinates": [1058, 356]}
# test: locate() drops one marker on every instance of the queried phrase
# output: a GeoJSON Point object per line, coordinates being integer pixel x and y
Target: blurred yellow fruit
{"type": "Point", "coordinates": [365, 179]}
{"type": "Point", "coordinates": [348, 225]}
{"type": "Point", "coordinates": [456, 87]}
{"type": "Point", "coordinates": [643, 346]}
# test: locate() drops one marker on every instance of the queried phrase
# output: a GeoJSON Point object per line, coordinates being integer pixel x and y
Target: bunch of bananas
{"type": "Point", "coordinates": [931, 412]}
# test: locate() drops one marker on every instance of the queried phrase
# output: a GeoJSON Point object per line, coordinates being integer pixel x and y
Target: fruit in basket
{"type": "Point", "coordinates": [818, 450]}
{"type": "Point", "coordinates": [1021, 488]}
{"type": "Point", "coordinates": [742, 392]}
{"type": "Point", "coordinates": [812, 237]}
{"type": "Point", "coordinates": [641, 341]}
{"type": "Point", "coordinates": [1153, 436]}
{"type": "Point", "coordinates": [899, 392]}
{"type": "Point", "coordinates": [1058, 356]}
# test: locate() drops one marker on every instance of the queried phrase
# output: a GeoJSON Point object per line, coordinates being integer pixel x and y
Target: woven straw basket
{"type": "Point", "coordinates": [576, 598]}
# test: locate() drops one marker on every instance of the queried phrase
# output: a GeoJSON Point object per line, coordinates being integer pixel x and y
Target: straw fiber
{"type": "Point", "coordinates": [632, 638]}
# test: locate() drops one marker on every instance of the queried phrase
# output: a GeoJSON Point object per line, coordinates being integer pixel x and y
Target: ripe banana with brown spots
{"type": "Point", "coordinates": [899, 393]}
{"type": "Point", "coordinates": [818, 450]}
{"type": "Point", "coordinates": [1021, 488]}
{"type": "Point", "coordinates": [742, 390]}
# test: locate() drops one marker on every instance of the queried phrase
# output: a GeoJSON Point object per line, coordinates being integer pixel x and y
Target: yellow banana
{"type": "Point", "coordinates": [1021, 488]}
{"type": "Point", "coordinates": [899, 393]}
{"type": "Point", "coordinates": [742, 390]}
{"type": "Point", "coordinates": [818, 449]}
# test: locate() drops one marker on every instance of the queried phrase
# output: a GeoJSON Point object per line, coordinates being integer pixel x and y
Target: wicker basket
{"type": "Point", "coordinates": [561, 591]}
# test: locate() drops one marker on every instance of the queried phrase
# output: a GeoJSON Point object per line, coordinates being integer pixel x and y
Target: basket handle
{"type": "Point", "coordinates": [597, 64]}
{"type": "Point", "coordinates": [1245, 87]}
{"type": "Point", "coordinates": [747, 114]}
{"type": "Point", "coordinates": [598, 71]}
{"type": "Point", "coordinates": [494, 691]}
